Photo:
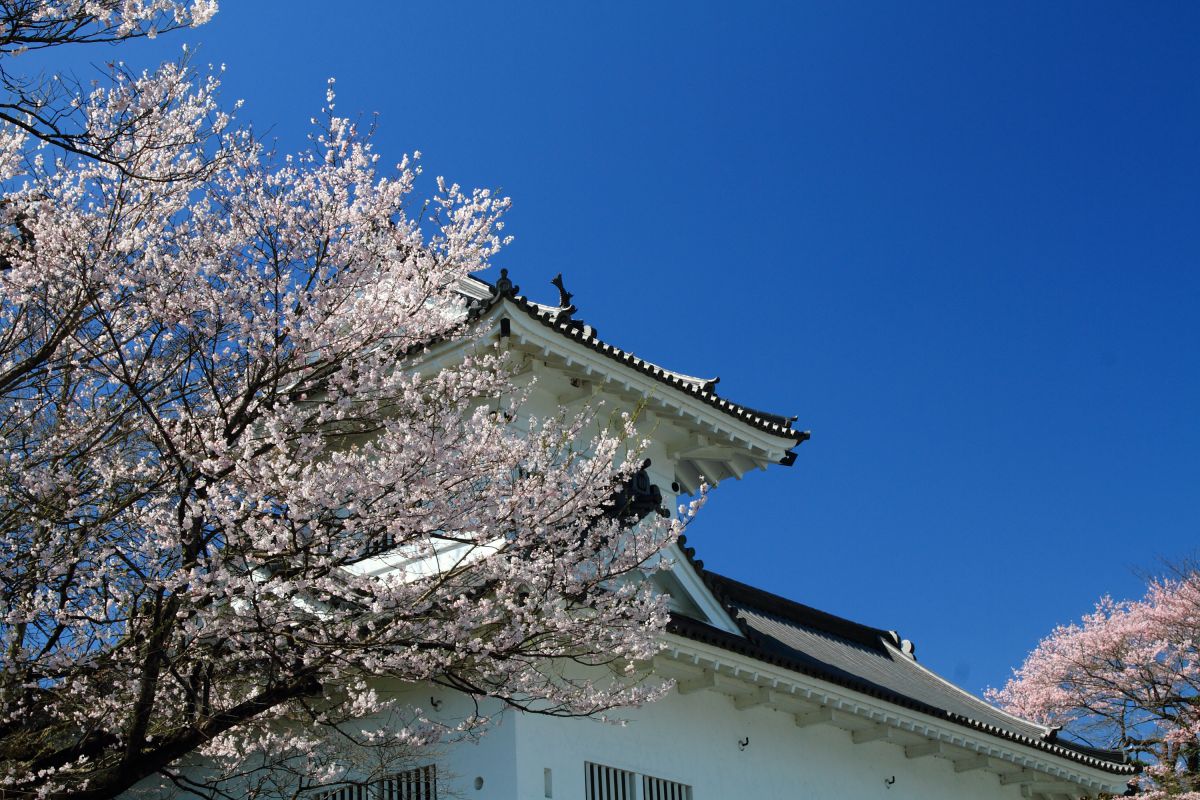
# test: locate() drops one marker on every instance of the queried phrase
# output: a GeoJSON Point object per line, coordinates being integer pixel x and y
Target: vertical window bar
{"type": "Point", "coordinates": [609, 783]}
{"type": "Point", "coordinates": [662, 789]}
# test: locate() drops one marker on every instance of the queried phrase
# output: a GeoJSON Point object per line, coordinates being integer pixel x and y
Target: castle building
{"type": "Point", "coordinates": [772, 698]}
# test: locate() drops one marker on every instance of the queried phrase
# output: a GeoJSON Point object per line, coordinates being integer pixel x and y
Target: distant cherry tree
{"type": "Point", "coordinates": [215, 401]}
{"type": "Point", "coordinates": [1127, 677]}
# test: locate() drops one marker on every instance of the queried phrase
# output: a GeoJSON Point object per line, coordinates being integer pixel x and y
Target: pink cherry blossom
{"type": "Point", "coordinates": [1126, 677]}
{"type": "Point", "coordinates": [216, 401]}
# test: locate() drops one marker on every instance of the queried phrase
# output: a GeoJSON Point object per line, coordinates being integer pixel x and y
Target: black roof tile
{"type": "Point", "coordinates": [866, 659]}
{"type": "Point", "coordinates": [704, 390]}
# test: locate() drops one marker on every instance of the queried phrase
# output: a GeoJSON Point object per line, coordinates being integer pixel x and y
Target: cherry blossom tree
{"type": "Point", "coordinates": [1127, 677]}
{"type": "Point", "coordinates": [217, 400]}
{"type": "Point", "coordinates": [48, 107]}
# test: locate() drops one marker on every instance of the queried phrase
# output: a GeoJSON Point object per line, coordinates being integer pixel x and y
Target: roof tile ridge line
{"type": "Point", "coordinates": [1083, 752]}
{"type": "Point", "coordinates": [661, 374]}
{"type": "Point", "coordinates": [752, 650]}
{"type": "Point", "coordinates": [1046, 729]}
{"type": "Point", "coordinates": [809, 615]}
{"type": "Point", "coordinates": [704, 387]}
{"type": "Point", "coordinates": [697, 566]}
{"type": "Point", "coordinates": [1114, 756]}
{"type": "Point", "coordinates": [714, 581]}
{"type": "Point", "coordinates": [903, 700]}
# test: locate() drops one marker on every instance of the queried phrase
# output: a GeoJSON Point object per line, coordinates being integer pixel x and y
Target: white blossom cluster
{"type": "Point", "coordinates": [211, 407]}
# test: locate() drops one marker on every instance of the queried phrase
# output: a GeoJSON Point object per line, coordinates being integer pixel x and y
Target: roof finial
{"type": "Point", "coordinates": [564, 298]}
{"type": "Point", "coordinates": [505, 287]}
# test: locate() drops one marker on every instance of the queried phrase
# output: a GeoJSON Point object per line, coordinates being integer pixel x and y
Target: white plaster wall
{"type": "Point", "coordinates": [693, 739]}
{"type": "Point", "coordinates": [543, 401]}
{"type": "Point", "coordinates": [490, 756]}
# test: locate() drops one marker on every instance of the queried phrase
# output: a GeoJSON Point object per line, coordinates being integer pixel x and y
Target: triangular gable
{"type": "Point", "coordinates": [690, 594]}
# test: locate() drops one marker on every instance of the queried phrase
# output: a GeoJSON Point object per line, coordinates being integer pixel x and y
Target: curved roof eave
{"type": "Point", "coordinates": [558, 320]}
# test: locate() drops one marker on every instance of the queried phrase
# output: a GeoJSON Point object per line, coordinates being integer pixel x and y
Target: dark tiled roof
{"type": "Point", "coordinates": [869, 660]}
{"type": "Point", "coordinates": [561, 321]}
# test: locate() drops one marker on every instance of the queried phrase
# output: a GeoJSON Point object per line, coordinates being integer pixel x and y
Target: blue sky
{"type": "Point", "coordinates": [958, 240]}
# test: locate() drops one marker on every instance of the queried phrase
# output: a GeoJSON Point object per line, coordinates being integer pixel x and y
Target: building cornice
{"type": "Point", "coordinates": [700, 656]}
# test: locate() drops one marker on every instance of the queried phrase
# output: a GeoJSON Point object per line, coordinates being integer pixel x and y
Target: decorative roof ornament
{"type": "Point", "coordinates": [566, 309]}
{"type": "Point", "coordinates": [703, 389]}
{"type": "Point", "coordinates": [505, 287]}
{"type": "Point", "coordinates": [636, 499]}
{"type": "Point", "coordinates": [564, 298]}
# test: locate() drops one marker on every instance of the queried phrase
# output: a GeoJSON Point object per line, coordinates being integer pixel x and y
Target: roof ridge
{"type": "Point", "coordinates": [575, 329]}
{"type": "Point", "coordinates": [1113, 761]}
{"type": "Point", "coordinates": [1049, 733]}
{"type": "Point", "coordinates": [808, 616]}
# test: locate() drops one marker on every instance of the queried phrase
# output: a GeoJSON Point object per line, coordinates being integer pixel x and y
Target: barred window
{"type": "Point", "coordinates": [413, 784]}
{"type": "Point", "coordinates": [357, 791]}
{"type": "Point", "coordinates": [662, 789]}
{"type": "Point", "coordinates": [609, 783]}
